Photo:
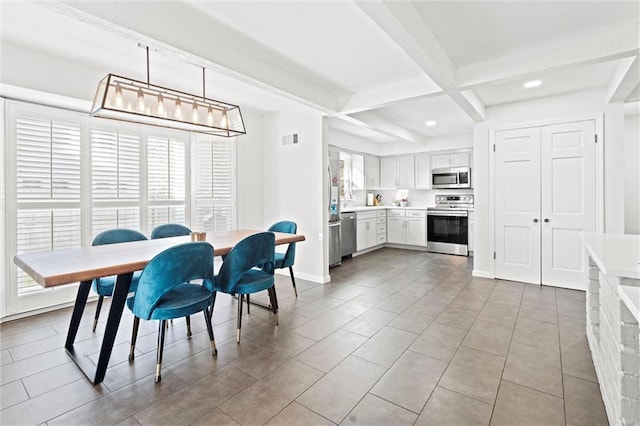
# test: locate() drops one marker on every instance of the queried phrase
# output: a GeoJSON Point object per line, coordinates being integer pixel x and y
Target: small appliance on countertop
{"type": "Point", "coordinates": [448, 224]}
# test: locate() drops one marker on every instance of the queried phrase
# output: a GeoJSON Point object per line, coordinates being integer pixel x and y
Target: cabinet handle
{"type": "Point", "coordinates": [535, 220]}
{"type": "Point", "coordinates": [547, 220]}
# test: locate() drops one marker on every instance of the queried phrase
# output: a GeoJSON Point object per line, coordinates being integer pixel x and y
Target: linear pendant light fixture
{"type": "Point", "coordinates": [125, 99]}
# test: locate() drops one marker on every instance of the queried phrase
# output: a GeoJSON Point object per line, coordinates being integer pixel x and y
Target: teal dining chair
{"type": "Point", "coordinates": [104, 286]}
{"type": "Point", "coordinates": [286, 259]}
{"type": "Point", "coordinates": [166, 290]}
{"type": "Point", "coordinates": [247, 269]}
{"type": "Point", "coordinates": [169, 230]}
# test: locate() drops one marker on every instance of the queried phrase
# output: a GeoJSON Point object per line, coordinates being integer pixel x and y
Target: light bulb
{"type": "Point", "coordinates": [118, 95]}
{"type": "Point", "coordinates": [161, 109]}
{"type": "Point", "coordinates": [178, 112]}
{"type": "Point", "coordinates": [141, 106]}
{"type": "Point", "coordinates": [225, 122]}
{"type": "Point", "coordinates": [194, 114]}
{"type": "Point", "coordinates": [210, 116]}
{"type": "Point", "coordinates": [531, 84]}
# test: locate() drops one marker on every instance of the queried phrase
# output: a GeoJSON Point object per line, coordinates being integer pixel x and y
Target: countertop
{"type": "Point", "coordinates": [615, 254]}
{"type": "Point", "coordinates": [366, 208]}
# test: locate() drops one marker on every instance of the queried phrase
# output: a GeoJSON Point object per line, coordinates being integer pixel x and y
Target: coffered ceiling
{"type": "Point", "coordinates": [380, 69]}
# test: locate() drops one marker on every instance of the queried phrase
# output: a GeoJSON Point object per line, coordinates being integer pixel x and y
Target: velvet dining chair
{"type": "Point", "coordinates": [166, 290]}
{"type": "Point", "coordinates": [286, 259]}
{"type": "Point", "coordinates": [247, 269]}
{"type": "Point", "coordinates": [169, 230]}
{"type": "Point", "coordinates": [104, 286]}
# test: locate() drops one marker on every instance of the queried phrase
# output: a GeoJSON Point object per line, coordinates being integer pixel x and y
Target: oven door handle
{"type": "Point", "coordinates": [446, 213]}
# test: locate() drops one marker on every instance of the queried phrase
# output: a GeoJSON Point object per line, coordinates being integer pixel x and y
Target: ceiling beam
{"type": "Point", "coordinates": [404, 26]}
{"type": "Point", "coordinates": [625, 80]}
{"type": "Point", "coordinates": [374, 121]}
{"type": "Point", "coordinates": [616, 43]}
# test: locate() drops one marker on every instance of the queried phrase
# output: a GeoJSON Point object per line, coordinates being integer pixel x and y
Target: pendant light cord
{"type": "Point", "coordinates": [203, 86]}
{"type": "Point", "coordinates": [148, 81]}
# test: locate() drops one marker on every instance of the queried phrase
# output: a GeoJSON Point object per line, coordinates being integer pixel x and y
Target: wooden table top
{"type": "Point", "coordinates": [58, 267]}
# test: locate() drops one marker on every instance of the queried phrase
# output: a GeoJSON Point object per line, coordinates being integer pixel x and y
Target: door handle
{"type": "Point", "coordinates": [535, 220]}
{"type": "Point", "coordinates": [546, 220]}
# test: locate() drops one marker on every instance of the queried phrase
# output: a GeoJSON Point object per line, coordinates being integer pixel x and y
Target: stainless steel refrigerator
{"type": "Point", "coordinates": [334, 208]}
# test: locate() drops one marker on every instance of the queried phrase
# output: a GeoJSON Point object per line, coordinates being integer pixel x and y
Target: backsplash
{"type": "Point", "coordinates": [416, 197]}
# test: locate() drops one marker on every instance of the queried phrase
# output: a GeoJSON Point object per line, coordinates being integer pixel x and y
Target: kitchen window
{"type": "Point", "coordinates": [69, 177]}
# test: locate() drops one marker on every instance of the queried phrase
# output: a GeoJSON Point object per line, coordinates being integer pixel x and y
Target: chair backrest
{"type": "Point", "coordinates": [288, 227]}
{"type": "Point", "coordinates": [256, 250]}
{"type": "Point", "coordinates": [169, 230]}
{"type": "Point", "coordinates": [119, 235]}
{"type": "Point", "coordinates": [175, 265]}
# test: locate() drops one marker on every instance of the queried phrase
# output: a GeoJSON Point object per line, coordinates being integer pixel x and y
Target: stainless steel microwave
{"type": "Point", "coordinates": [451, 177]}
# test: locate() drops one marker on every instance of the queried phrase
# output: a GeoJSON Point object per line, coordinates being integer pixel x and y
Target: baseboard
{"type": "Point", "coordinates": [482, 274]}
{"type": "Point", "coordinates": [307, 277]}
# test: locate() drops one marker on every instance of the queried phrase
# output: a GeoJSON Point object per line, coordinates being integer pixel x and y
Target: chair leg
{"type": "Point", "coordinates": [248, 306]}
{"type": "Point", "coordinates": [273, 298]}
{"type": "Point", "coordinates": [213, 302]}
{"type": "Point", "coordinates": [98, 307]}
{"type": "Point", "coordinates": [240, 298]}
{"type": "Point", "coordinates": [293, 280]}
{"type": "Point", "coordinates": [134, 337]}
{"type": "Point", "coordinates": [207, 320]}
{"type": "Point", "coordinates": [161, 328]}
{"type": "Point", "coordinates": [188, 319]}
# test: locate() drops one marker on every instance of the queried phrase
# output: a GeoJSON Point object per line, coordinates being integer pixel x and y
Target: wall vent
{"type": "Point", "coordinates": [291, 139]}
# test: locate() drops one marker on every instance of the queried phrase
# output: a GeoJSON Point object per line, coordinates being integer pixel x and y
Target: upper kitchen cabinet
{"type": "Point", "coordinates": [357, 171]}
{"type": "Point", "coordinates": [351, 172]}
{"type": "Point", "coordinates": [423, 171]}
{"type": "Point", "coordinates": [397, 172]}
{"type": "Point", "coordinates": [372, 171]}
{"type": "Point", "coordinates": [458, 159]}
{"type": "Point", "coordinates": [388, 172]}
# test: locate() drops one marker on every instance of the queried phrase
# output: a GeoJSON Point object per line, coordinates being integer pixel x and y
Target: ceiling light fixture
{"type": "Point", "coordinates": [531, 84]}
{"type": "Point", "coordinates": [430, 123]}
{"type": "Point", "coordinates": [125, 99]}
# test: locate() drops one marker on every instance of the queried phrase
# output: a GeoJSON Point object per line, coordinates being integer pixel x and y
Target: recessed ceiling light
{"type": "Point", "coordinates": [532, 84]}
{"type": "Point", "coordinates": [430, 123]}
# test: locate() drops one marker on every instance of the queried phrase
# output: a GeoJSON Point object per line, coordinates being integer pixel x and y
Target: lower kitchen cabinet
{"type": "Point", "coordinates": [407, 227]}
{"type": "Point", "coordinates": [367, 230]}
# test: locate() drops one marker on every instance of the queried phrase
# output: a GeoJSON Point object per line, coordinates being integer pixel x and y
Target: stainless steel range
{"type": "Point", "coordinates": [448, 224]}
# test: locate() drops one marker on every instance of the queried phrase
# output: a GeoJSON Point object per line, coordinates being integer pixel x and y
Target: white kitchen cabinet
{"type": "Point", "coordinates": [406, 172]}
{"type": "Point", "coordinates": [367, 230]}
{"type": "Point", "coordinates": [357, 171]}
{"type": "Point", "coordinates": [382, 226]}
{"type": "Point", "coordinates": [388, 168]}
{"type": "Point", "coordinates": [372, 171]}
{"type": "Point", "coordinates": [423, 171]}
{"type": "Point", "coordinates": [458, 159]}
{"type": "Point", "coordinates": [407, 227]}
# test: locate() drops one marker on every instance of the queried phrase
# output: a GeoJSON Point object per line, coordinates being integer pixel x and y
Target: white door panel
{"type": "Point", "coordinates": [517, 191]}
{"type": "Point", "coordinates": [568, 207]}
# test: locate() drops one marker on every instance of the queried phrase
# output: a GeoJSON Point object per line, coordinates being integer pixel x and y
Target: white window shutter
{"type": "Point", "coordinates": [214, 185]}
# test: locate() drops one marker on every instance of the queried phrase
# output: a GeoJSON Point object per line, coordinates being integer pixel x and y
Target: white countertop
{"type": "Point", "coordinates": [615, 254]}
{"type": "Point", "coordinates": [352, 209]}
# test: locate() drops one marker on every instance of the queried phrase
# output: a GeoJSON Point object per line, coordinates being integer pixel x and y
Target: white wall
{"type": "Point", "coordinates": [351, 142]}
{"type": "Point", "coordinates": [632, 174]}
{"type": "Point", "coordinates": [439, 143]}
{"type": "Point", "coordinates": [249, 170]}
{"type": "Point", "coordinates": [293, 177]}
{"type": "Point", "coordinates": [553, 108]}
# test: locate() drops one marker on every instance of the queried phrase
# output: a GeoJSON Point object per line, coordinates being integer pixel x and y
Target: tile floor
{"type": "Point", "coordinates": [398, 337]}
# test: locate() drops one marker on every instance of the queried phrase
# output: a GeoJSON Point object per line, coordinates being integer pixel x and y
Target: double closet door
{"type": "Point", "coordinates": [545, 195]}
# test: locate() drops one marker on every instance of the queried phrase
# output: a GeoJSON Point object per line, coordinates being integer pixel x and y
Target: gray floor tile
{"type": "Point", "coordinates": [215, 418]}
{"type": "Point", "coordinates": [489, 337]}
{"type": "Point", "coordinates": [534, 367]}
{"type": "Point", "coordinates": [410, 381]}
{"type": "Point", "coordinates": [52, 378]}
{"type": "Point", "coordinates": [264, 399]}
{"type": "Point", "coordinates": [583, 402]}
{"type": "Point", "coordinates": [373, 411]}
{"type": "Point", "coordinates": [474, 373]}
{"type": "Point", "coordinates": [322, 326]}
{"type": "Point", "coordinates": [331, 350]}
{"type": "Point", "coordinates": [456, 317]}
{"type": "Point", "coordinates": [577, 360]}
{"type": "Point", "coordinates": [451, 408]}
{"type": "Point", "coordinates": [524, 406]}
{"type": "Point", "coordinates": [572, 328]}
{"type": "Point", "coordinates": [536, 333]}
{"type": "Point", "coordinates": [412, 320]}
{"type": "Point", "coordinates": [501, 312]}
{"type": "Point", "coordinates": [11, 394]}
{"type": "Point", "coordinates": [5, 357]}
{"type": "Point", "coordinates": [297, 415]}
{"type": "Point", "coordinates": [369, 323]}
{"type": "Point", "coordinates": [26, 367]}
{"type": "Point", "coordinates": [340, 390]}
{"type": "Point", "coordinates": [439, 341]}
{"type": "Point", "coordinates": [386, 347]}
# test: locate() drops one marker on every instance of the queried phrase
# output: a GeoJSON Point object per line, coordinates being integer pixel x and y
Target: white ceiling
{"type": "Point", "coordinates": [385, 67]}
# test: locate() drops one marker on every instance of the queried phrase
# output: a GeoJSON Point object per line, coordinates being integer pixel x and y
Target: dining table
{"type": "Point", "coordinates": [83, 265]}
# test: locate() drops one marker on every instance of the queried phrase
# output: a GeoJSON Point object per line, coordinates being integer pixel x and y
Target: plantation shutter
{"type": "Point", "coordinates": [214, 185]}
{"type": "Point", "coordinates": [166, 176]}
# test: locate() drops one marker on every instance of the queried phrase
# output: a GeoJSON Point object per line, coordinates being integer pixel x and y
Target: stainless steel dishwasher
{"type": "Point", "coordinates": [348, 237]}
